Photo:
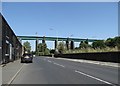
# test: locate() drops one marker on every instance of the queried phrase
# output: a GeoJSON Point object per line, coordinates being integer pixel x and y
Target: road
{"type": "Point", "coordinates": [46, 70]}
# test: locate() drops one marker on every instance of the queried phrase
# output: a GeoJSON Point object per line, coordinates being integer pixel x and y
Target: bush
{"type": "Point", "coordinates": [41, 53]}
{"type": "Point", "coordinates": [47, 52]}
{"type": "Point", "coordinates": [98, 44]}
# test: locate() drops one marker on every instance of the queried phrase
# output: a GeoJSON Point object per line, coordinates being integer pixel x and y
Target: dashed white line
{"type": "Point", "coordinates": [49, 61]}
{"type": "Point", "coordinates": [58, 64]}
{"type": "Point", "coordinates": [94, 78]}
{"type": "Point", "coordinates": [54, 63]}
{"type": "Point", "coordinates": [62, 65]}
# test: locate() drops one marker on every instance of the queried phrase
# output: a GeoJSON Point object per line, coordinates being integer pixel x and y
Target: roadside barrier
{"type": "Point", "coordinates": [97, 56]}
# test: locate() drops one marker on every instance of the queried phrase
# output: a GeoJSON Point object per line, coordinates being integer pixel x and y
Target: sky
{"type": "Point", "coordinates": [96, 20]}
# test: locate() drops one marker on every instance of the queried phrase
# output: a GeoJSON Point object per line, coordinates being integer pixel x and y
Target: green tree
{"type": "Point", "coordinates": [42, 49]}
{"type": "Point", "coordinates": [27, 46]}
{"type": "Point", "coordinates": [84, 44]}
{"type": "Point", "coordinates": [117, 42]}
{"type": "Point", "coordinates": [99, 44]}
{"type": "Point", "coordinates": [112, 42]}
{"type": "Point", "coordinates": [52, 51]}
{"type": "Point", "coordinates": [61, 47]}
{"type": "Point", "coordinates": [47, 51]}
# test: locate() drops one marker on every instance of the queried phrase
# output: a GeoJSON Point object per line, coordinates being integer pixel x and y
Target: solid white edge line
{"type": "Point", "coordinates": [15, 76]}
{"type": "Point", "coordinates": [94, 77]}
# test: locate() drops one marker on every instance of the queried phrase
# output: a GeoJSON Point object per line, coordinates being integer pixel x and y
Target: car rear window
{"type": "Point", "coordinates": [26, 54]}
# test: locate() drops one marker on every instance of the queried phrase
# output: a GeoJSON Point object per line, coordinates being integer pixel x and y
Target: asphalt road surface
{"type": "Point", "coordinates": [46, 70]}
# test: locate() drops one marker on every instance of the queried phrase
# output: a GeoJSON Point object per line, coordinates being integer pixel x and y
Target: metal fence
{"type": "Point", "coordinates": [11, 48]}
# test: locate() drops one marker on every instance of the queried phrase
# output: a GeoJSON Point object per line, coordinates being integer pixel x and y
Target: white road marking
{"type": "Point", "coordinates": [58, 64]}
{"type": "Point", "coordinates": [62, 65]}
{"type": "Point", "coordinates": [49, 61]}
{"type": "Point", "coordinates": [94, 77]}
{"type": "Point", "coordinates": [92, 62]}
{"type": "Point", "coordinates": [55, 63]}
{"type": "Point", "coordinates": [14, 76]}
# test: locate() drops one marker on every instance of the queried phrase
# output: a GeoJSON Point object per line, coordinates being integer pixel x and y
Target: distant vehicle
{"type": "Point", "coordinates": [27, 58]}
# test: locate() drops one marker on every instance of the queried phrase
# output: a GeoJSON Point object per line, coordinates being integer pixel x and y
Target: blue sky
{"type": "Point", "coordinates": [97, 20]}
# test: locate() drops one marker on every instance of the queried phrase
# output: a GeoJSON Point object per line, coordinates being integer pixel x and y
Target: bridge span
{"type": "Point", "coordinates": [69, 41]}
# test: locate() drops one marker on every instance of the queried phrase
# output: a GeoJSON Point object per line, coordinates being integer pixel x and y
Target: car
{"type": "Point", "coordinates": [27, 58]}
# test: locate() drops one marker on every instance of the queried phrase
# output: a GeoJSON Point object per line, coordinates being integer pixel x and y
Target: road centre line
{"type": "Point", "coordinates": [58, 64]}
{"type": "Point", "coordinates": [55, 63]}
{"type": "Point", "coordinates": [62, 66]}
{"type": "Point", "coordinates": [49, 61]}
{"type": "Point", "coordinates": [94, 78]}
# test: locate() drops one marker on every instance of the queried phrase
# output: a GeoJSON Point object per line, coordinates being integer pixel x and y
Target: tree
{"type": "Point", "coordinates": [61, 47]}
{"type": "Point", "coordinates": [112, 42]}
{"type": "Point", "coordinates": [47, 51]}
{"type": "Point", "coordinates": [84, 44]}
{"type": "Point", "coordinates": [99, 44]}
{"type": "Point", "coordinates": [117, 42]}
{"type": "Point", "coordinates": [27, 46]}
{"type": "Point", "coordinates": [42, 49]}
{"type": "Point", "coordinates": [52, 51]}
{"type": "Point", "coordinates": [86, 41]}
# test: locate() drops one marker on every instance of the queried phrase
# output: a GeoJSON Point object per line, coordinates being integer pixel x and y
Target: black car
{"type": "Point", "coordinates": [27, 58]}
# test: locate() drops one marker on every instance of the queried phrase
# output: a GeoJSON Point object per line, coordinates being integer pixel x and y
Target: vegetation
{"type": "Point", "coordinates": [42, 49]}
{"type": "Point", "coordinates": [112, 42]}
{"type": "Point", "coordinates": [61, 47]}
{"type": "Point", "coordinates": [109, 45]}
{"type": "Point", "coordinates": [52, 51]}
{"type": "Point", "coordinates": [99, 44]}
{"type": "Point", "coordinates": [27, 46]}
{"type": "Point", "coordinates": [84, 44]}
{"type": "Point", "coordinates": [84, 50]}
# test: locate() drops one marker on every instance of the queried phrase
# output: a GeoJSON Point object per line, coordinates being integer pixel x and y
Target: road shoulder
{"type": "Point", "coordinates": [9, 71]}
